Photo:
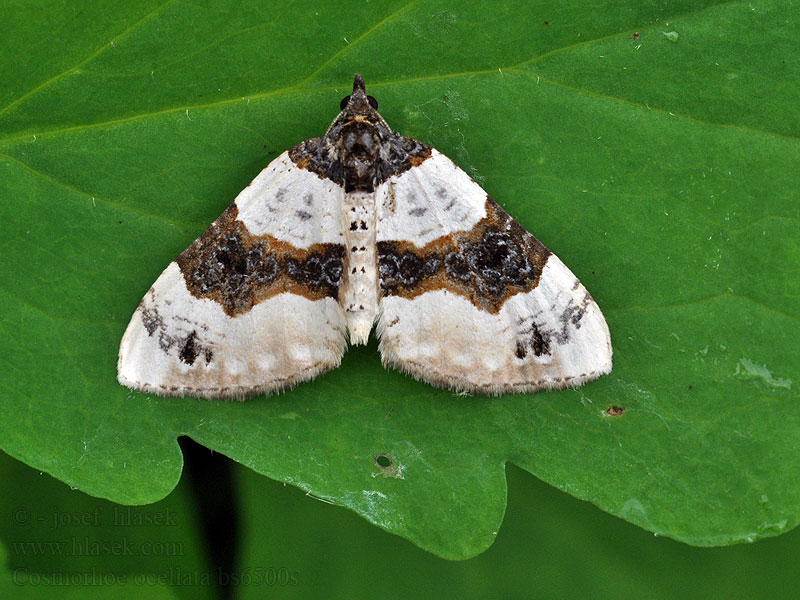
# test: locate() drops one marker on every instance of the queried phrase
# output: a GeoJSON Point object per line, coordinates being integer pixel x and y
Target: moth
{"type": "Point", "coordinates": [357, 228]}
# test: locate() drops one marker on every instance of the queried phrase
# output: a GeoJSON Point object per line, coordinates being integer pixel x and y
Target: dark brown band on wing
{"type": "Point", "coordinates": [488, 264]}
{"type": "Point", "coordinates": [238, 270]}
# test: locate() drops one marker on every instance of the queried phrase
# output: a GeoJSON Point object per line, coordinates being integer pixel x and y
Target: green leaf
{"type": "Point", "coordinates": [661, 169]}
{"type": "Point", "coordinates": [550, 546]}
{"type": "Point", "coordinates": [541, 547]}
{"type": "Point", "coordinates": [53, 537]}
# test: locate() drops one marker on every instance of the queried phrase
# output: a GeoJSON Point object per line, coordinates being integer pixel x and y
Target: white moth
{"type": "Point", "coordinates": [360, 226]}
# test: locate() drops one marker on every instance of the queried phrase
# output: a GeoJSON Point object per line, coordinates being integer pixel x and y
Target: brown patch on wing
{"type": "Point", "coordinates": [303, 162]}
{"type": "Point", "coordinates": [238, 270]}
{"type": "Point", "coordinates": [488, 264]}
{"type": "Point", "coordinates": [416, 160]}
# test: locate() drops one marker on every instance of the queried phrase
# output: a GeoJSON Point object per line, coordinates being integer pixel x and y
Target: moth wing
{"type": "Point", "coordinates": [251, 306]}
{"type": "Point", "coordinates": [472, 301]}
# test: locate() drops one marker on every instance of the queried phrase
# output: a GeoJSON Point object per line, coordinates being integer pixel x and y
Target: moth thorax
{"type": "Point", "coordinates": [360, 151]}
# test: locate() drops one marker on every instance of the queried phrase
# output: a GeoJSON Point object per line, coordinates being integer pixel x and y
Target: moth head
{"type": "Point", "coordinates": [358, 111]}
{"type": "Point", "coordinates": [358, 101]}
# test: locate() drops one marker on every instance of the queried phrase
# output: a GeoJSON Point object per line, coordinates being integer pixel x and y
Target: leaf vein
{"type": "Point", "coordinates": [89, 58]}
{"type": "Point", "coordinates": [180, 226]}
{"type": "Point", "coordinates": [361, 37]}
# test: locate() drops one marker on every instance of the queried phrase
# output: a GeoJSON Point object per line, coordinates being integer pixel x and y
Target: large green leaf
{"type": "Point", "coordinates": [297, 547]}
{"type": "Point", "coordinates": [54, 537]}
{"type": "Point", "coordinates": [653, 147]}
{"type": "Point", "coordinates": [550, 546]}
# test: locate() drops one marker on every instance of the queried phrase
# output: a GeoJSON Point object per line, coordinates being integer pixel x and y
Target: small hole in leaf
{"type": "Point", "coordinates": [384, 461]}
{"type": "Point", "coordinates": [614, 411]}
